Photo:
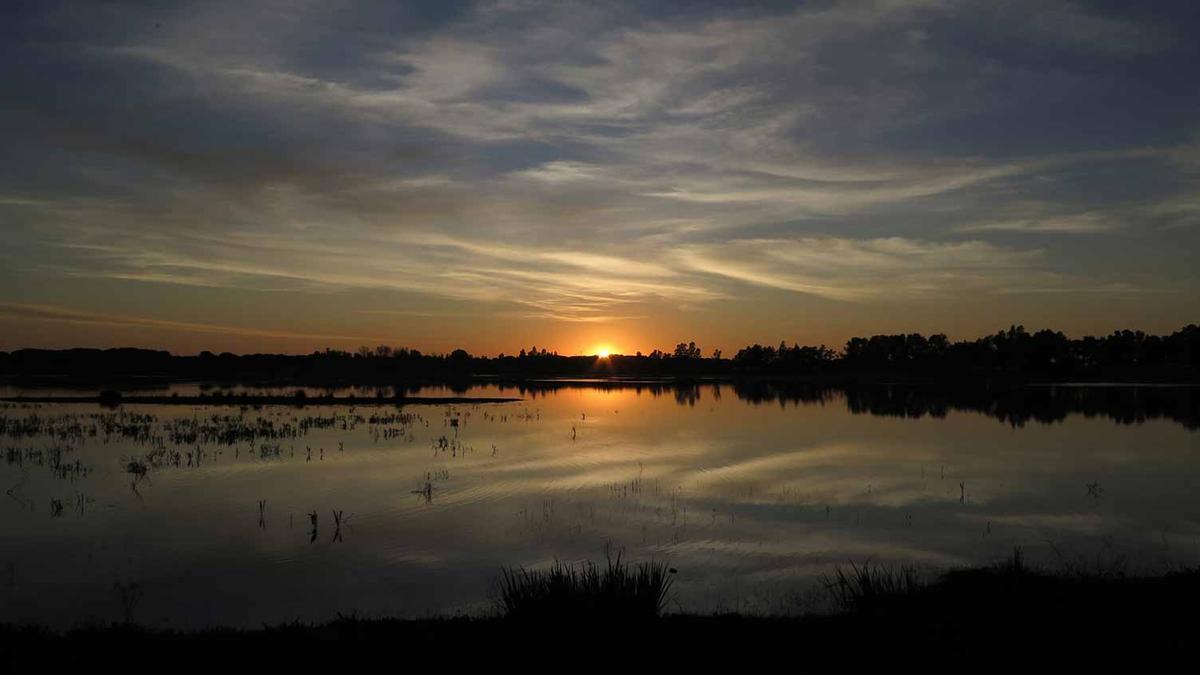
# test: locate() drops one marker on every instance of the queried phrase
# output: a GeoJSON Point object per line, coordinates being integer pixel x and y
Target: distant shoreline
{"type": "Point", "coordinates": [830, 380]}
{"type": "Point", "coordinates": [1007, 357]}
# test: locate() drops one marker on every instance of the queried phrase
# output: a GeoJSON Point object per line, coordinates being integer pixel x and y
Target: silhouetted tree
{"type": "Point", "coordinates": [1014, 352]}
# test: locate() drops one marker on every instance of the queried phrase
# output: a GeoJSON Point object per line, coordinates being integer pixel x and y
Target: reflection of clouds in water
{"type": "Point", "coordinates": [1079, 523]}
{"type": "Point", "coordinates": [733, 494]}
{"type": "Point", "coordinates": [812, 555]}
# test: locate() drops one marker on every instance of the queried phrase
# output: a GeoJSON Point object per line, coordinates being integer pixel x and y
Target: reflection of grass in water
{"type": "Point", "coordinates": [618, 589]}
{"type": "Point", "coordinates": [129, 594]}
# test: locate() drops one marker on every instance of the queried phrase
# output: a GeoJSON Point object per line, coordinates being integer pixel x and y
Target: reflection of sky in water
{"type": "Point", "coordinates": [751, 502]}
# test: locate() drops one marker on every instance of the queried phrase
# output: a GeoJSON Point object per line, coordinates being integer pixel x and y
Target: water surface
{"type": "Point", "coordinates": [753, 492]}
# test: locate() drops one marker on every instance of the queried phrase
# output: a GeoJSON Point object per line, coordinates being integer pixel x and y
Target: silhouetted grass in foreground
{"type": "Point", "coordinates": [1008, 617]}
{"type": "Point", "coordinates": [1012, 593]}
{"type": "Point", "coordinates": [587, 590]}
{"type": "Point", "coordinates": [866, 586]}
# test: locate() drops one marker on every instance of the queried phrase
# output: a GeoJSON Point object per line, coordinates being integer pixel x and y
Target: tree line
{"type": "Point", "coordinates": [1013, 352]}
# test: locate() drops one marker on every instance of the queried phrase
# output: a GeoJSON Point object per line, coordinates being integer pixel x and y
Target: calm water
{"type": "Point", "coordinates": [752, 493]}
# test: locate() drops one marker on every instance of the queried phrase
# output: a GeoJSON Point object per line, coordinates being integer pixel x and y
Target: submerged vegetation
{"type": "Point", "coordinates": [189, 442]}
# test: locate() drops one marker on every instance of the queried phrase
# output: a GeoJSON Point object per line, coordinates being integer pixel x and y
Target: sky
{"type": "Point", "coordinates": [259, 176]}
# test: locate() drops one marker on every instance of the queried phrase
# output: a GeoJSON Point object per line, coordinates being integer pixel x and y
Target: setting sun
{"type": "Point", "coordinates": [603, 352]}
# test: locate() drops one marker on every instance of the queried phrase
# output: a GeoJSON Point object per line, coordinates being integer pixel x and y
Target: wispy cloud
{"type": "Point", "coordinates": [1076, 223]}
{"type": "Point", "coordinates": [24, 312]}
{"type": "Point", "coordinates": [589, 163]}
{"type": "Point", "coordinates": [851, 269]}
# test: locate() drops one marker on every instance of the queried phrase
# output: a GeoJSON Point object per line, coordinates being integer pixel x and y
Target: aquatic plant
{"type": "Point", "coordinates": [337, 525]}
{"type": "Point", "coordinates": [129, 594]}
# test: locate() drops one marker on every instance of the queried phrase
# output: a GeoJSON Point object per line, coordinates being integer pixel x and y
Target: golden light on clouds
{"type": "Point", "coordinates": [601, 195]}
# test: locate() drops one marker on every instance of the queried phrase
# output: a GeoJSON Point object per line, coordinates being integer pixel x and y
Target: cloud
{"type": "Point", "coordinates": [857, 270]}
{"type": "Point", "coordinates": [587, 162]}
{"type": "Point", "coordinates": [25, 312]}
{"type": "Point", "coordinates": [563, 284]}
{"type": "Point", "coordinates": [1076, 223]}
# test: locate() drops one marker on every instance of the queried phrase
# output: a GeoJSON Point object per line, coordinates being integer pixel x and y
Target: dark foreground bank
{"type": "Point", "coordinates": [1005, 617]}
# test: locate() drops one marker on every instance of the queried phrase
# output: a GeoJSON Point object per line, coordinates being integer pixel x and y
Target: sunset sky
{"type": "Point", "coordinates": [286, 176]}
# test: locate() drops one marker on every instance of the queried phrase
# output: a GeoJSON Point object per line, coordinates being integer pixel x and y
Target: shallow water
{"type": "Point", "coordinates": [751, 493]}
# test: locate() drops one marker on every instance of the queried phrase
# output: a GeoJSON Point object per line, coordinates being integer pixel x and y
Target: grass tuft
{"type": "Point", "coordinates": [586, 591]}
{"type": "Point", "coordinates": [867, 587]}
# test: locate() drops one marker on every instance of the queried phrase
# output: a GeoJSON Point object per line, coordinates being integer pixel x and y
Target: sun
{"type": "Point", "coordinates": [603, 352]}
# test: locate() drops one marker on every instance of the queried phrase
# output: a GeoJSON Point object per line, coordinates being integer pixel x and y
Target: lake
{"type": "Point", "coordinates": [188, 516]}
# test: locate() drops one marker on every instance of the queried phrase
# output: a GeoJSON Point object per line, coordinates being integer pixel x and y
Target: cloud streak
{"type": "Point", "coordinates": [23, 312]}
{"type": "Point", "coordinates": [857, 270]}
{"type": "Point", "coordinates": [587, 164]}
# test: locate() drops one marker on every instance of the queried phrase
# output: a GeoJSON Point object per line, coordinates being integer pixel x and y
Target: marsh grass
{"type": "Point", "coordinates": [586, 591]}
{"type": "Point", "coordinates": [867, 587]}
{"type": "Point", "coordinates": [1008, 587]}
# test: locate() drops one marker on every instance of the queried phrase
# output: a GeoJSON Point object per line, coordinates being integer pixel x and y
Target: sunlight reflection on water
{"type": "Point", "coordinates": [750, 494]}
